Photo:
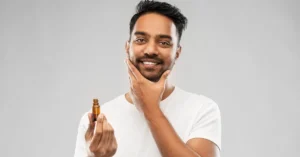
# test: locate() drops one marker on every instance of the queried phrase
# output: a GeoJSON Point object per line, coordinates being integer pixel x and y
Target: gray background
{"type": "Point", "coordinates": [56, 56]}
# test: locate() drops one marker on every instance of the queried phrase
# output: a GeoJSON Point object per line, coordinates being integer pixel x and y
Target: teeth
{"type": "Point", "coordinates": [149, 63]}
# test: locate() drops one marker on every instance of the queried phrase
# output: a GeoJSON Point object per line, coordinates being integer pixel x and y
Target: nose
{"type": "Point", "coordinates": [151, 48]}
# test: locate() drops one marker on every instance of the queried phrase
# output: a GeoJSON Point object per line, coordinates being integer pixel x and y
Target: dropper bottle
{"type": "Point", "coordinates": [96, 109]}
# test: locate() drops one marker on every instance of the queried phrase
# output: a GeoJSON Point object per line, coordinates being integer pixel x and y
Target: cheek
{"type": "Point", "coordinates": [168, 56]}
{"type": "Point", "coordinates": [136, 51]}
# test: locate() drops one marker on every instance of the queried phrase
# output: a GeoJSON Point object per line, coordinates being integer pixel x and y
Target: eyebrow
{"type": "Point", "coordinates": [165, 36]}
{"type": "Point", "coordinates": [159, 36]}
{"type": "Point", "coordinates": [140, 33]}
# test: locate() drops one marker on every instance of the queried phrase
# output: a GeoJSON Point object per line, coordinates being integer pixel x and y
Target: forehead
{"type": "Point", "coordinates": [154, 24]}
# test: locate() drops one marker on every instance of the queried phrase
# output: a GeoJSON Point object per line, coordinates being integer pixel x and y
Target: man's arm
{"type": "Point", "coordinates": [169, 143]}
{"type": "Point", "coordinates": [146, 96]}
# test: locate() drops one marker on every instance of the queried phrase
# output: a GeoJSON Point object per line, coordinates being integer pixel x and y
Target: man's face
{"type": "Point", "coordinates": [153, 46]}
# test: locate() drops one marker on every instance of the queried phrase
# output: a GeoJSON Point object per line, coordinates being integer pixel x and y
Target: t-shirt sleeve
{"type": "Point", "coordinates": [207, 123]}
{"type": "Point", "coordinates": [80, 148]}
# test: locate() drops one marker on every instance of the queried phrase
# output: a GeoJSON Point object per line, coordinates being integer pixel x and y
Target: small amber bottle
{"type": "Point", "coordinates": [96, 109]}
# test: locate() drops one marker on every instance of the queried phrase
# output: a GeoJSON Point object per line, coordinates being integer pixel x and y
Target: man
{"type": "Point", "coordinates": [155, 118]}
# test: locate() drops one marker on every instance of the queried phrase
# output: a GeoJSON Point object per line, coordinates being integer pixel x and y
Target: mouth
{"type": "Point", "coordinates": [149, 64]}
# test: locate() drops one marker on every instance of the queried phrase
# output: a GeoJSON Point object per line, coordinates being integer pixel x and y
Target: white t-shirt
{"type": "Point", "coordinates": [191, 115]}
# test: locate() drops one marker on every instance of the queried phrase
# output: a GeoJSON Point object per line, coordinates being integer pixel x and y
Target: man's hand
{"type": "Point", "coordinates": [145, 94]}
{"type": "Point", "coordinates": [100, 135]}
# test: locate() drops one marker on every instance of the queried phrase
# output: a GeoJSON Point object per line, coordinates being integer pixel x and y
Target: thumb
{"type": "Point", "coordinates": [164, 76]}
{"type": "Point", "coordinates": [90, 131]}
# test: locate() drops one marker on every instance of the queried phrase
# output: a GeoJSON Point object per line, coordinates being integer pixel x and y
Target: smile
{"type": "Point", "coordinates": [149, 63]}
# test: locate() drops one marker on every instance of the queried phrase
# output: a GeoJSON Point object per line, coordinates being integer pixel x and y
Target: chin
{"type": "Point", "coordinates": [153, 78]}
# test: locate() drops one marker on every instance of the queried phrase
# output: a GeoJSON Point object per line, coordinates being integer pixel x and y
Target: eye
{"type": "Point", "coordinates": [140, 40]}
{"type": "Point", "coordinates": [165, 43]}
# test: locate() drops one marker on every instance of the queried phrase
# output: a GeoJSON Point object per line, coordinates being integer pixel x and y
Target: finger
{"type": "Point", "coordinates": [90, 131]}
{"type": "Point", "coordinates": [132, 79]}
{"type": "Point", "coordinates": [114, 144]}
{"type": "Point", "coordinates": [130, 83]}
{"type": "Point", "coordinates": [98, 133]}
{"type": "Point", "coordinates": [134, 70]}
{"type": "Point", "coordinates": [131, 76]}
{"type": "Point", "coordinates": [112, 147]}
{"type": "Point", "coordinates": [91, 120]}
{"type": "Point", "coordinates": [164, 77]}
{"type": "Point", "coordinates": [104, 143]}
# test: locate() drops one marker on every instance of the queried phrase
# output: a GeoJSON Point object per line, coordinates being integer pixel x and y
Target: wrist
{"type": "Point", "coordinates": [153, 113]}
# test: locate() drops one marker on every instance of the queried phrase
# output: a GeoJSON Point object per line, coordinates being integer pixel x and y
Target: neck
{"type": "Point", "coordinates": [168, 91]}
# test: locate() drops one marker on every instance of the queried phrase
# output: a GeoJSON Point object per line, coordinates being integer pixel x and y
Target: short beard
{"type": "Point", "coordinates": [154, 79]}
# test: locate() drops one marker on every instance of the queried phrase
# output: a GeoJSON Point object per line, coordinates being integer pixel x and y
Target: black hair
{"type": "Point", "coordinates": [163, 8]}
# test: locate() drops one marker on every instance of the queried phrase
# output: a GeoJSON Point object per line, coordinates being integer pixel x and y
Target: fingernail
{"type": "Point", "coordinates": [101, 117]}
{"type": "Point", "coordinates": [92, 117]}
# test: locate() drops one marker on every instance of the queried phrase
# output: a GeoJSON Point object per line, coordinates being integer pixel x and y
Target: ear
{"type": "Point", "coordinates": [178, 52]}
{"type": "Point", "coordinates": [127, 46]}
